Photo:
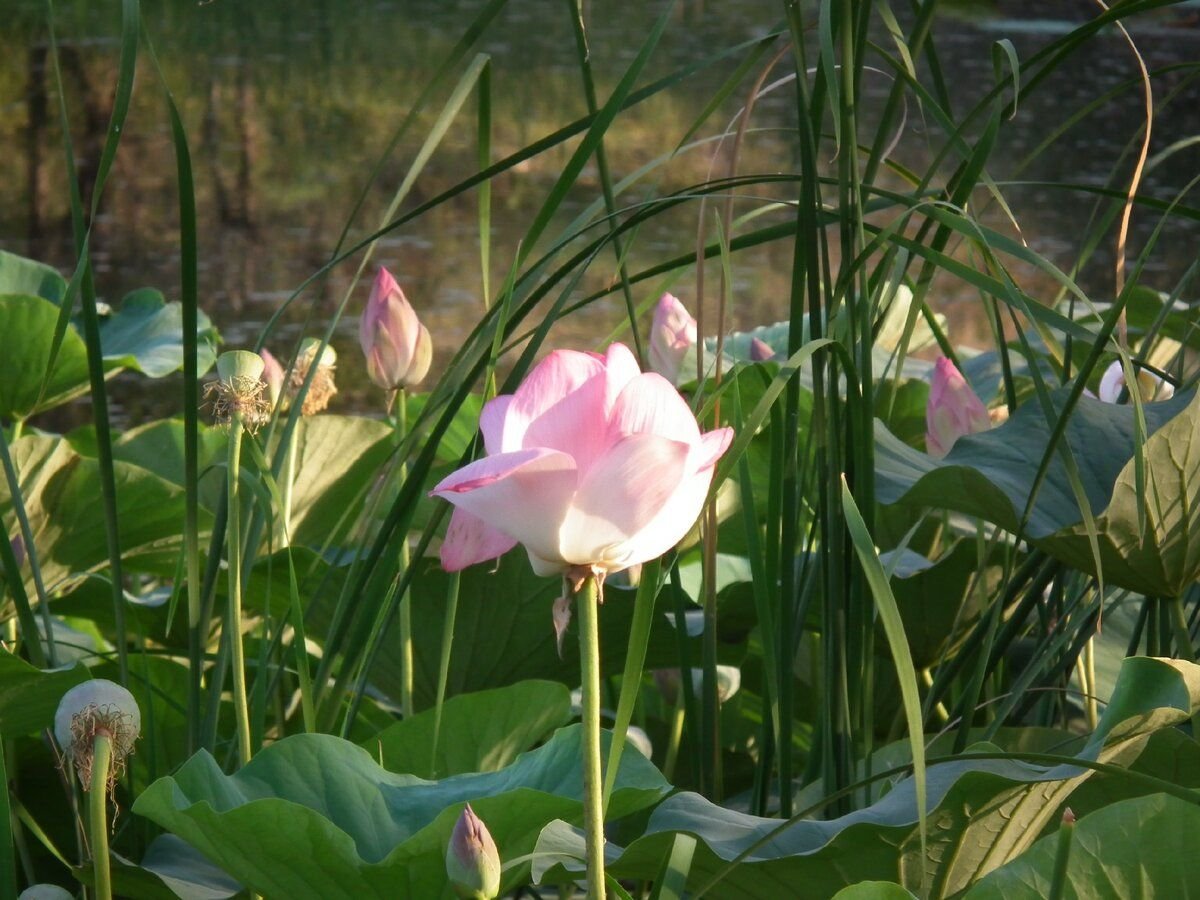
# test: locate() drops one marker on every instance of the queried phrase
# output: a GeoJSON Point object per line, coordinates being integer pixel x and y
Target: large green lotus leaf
{"type": "Point", "coordinates": [26, 338]}
{"type": "Point", "coordinates": [480, 732]}
{"type": "Point", "coordinates": [29, 695]}
{"type": "Point", "coordinates": [990, 475]}
{"type": "Point", "coordinates": [315, 816]}
{"type": "Point", "coordinates": [338, 461]}
{"type": "Point", "coordinates": [62, 496]}
{"type": "Point", "coordinates": [1144, 847]}
{"type": "Point", "coordinates": [982, 813]}
{"type": "Point", "coordinates": [146, 334]}
{"type": "Point", "coordinates": [19, 275]}
{"type": "Point", "coordinates": [159, 448]}
{"type": "Point", "coordinates": [874, 890]}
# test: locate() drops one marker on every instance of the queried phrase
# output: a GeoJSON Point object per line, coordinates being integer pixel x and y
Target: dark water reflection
{"type": "Point", "coordinates": [289, 104]}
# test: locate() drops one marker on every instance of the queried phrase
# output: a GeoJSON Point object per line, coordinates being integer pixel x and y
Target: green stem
{"type": "Point", "coordinates": [588, 607]}
{"type": "Point", "coordinates": [406, 642]}
{"type": "Point", "coordinates": [1062, 856]}
{"type": "Point", "coordinates": [98, 815]}
{"type": "Point", "coordinates": [289, 480]}
{"type": "Point", "coordinates": [233, 534]}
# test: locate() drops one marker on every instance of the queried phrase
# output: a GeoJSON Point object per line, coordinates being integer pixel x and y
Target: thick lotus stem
{"type": "Point", "coordinates": [587, 601]}
{"type": "Point", "coordinates": [102, 749]}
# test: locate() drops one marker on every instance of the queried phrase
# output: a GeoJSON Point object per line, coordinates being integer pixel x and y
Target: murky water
{"type": "Point", "coordinates": [289, 105]}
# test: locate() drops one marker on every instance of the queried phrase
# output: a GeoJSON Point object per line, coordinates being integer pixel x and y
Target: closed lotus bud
{"type": "Point", "coordinates": [1150, 386]}
{"type": "Point", "coordinates": [273, 375]}
{"type": "Point", "coordinates": [397, 346]}
{"type": "Point", "coordinates": [472, 861]}
{"type": "Point", "coordinates": [672, 334]}
{"type": "Point", "coordinates": [760, 350]}
{"type": "Point", "coordinates": [239, 389]}
{"type": "Point", "coordinates": [97, 707]}
{"type": "Point", "coordinates": [322, 388]}
{"type": "Point", "coordinates": [953, 409]}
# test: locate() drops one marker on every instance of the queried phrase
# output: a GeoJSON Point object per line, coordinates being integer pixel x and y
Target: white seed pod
{"type": "Point", "coordinates": [97, 707]}
{"type": "Point", "coordinates": [45, 892]}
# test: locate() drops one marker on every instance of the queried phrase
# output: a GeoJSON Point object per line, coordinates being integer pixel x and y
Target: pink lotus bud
{"type": "Point", "coordinates": [672, 334]}
{"type": "Point", "coordinates": [273, 375]}
{"type": "Point", "coordinates": [760, 350]}
{"type": "Point", "coordinates": [1150, 386]}
{"type": "Point", "coordinates": [953, 410]}
{"type": "Point", "coordinates": [397, 346]}
{"type": "Point", "coordinates": [18, 549]}
{"type": "Point", "coordinates": [472, 861]}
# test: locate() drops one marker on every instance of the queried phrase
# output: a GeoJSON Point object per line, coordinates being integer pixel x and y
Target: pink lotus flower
{"type": "Point", "coordinates": [591, 463]}
{"type": "Point", "coordinates": [953, 409]}
{"type": "Point", "coordinates": [672, 334]}
{"type": "Point", "coordinates": [273, 375]}
{"type": "Point", "coordinates": [1150, 386]}
{"type": "Point", "coordinates": [397, 346]}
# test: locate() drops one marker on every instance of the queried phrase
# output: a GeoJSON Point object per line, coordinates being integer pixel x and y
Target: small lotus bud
{"type": "Point", "coordinates": [1068, 817]}
{"type": "Point", "coordinates": [1150, 386]}
{"type": "Point", "coordinates": [97, 707]}
{"type": "Point", "coordinates": [953, 409]}
{"type": "Point", "coordinates": [398, 348]}
{"type": "Point", "coordinates": [45, 892]}
{"type": "Point", "coordinates": [760, 350]}
{"type": "Point", "coordinates": [238, 392]}
{"type": "Point", "coordinates": [672, 334]}
{"type": "Point", "coordinates": [273, 376]}
{"type": "Point", "coordinates": [472, 861]}
{"type": "Point", "coordinates": [322, 389]}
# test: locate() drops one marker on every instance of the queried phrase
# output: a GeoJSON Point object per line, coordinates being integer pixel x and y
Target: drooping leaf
{"type": "Point", "coordinates": [991, 475]}
{"type": "Point", "coordinates": [26, 339]}
{"type": "Point", "coordinates": [983, 812]}
{"type": "Point", "coordinates": [19, 275]}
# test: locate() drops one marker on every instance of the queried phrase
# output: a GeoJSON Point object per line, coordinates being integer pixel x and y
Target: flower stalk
{"type": "Point", "coordinates": [102, 752]}
{"type": "Point", "coordinates": [405, 610]}
{"type": "Point", "coordinates": [233, 533]}
{"type": "Point", "coordinates": [587, 602]}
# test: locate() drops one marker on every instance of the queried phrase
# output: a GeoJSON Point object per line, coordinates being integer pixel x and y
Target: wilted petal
{"type": "Point", "coordinates": [471, 540]}
{"type": "Point", "coordinates": [525, 494]}
{"type": "Point", "coordinates": [624, 491]}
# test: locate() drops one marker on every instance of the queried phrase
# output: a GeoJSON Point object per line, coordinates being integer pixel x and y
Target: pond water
{"type": "Point", "coordinates": [290, 103]}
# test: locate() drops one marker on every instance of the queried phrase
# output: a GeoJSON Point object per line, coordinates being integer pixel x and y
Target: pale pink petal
{"type": "Point", "coordinates": [712, 447]}
{"type": "Point", "coordinates": [618, 497]}
{"type": "Point", "coordinates": [650, 404]}
{"type": "Point", "coordinates": [953, 409]}
{"type": "Point", "coordinates": [672, 333]}
{"type": "Point", "coordinates": [546, 402]}
{"type": "Point", "coordinates": [471, 540]}
{"type": "Point", "coordinates": [620, 368]}
{"type": "Point", "coordinates": [491, 423]}
{"type": "Point", "coordinates": [525, 494]}
{"type": "Point", "coordinates": [674, 520]}
{"type": "Point", "coordinates": [1112, 383]}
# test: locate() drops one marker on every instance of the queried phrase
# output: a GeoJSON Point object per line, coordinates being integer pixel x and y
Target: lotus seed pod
{"type": "Point", "coordinates": [45, 892]}
{"type": "Point", "coordinates": [322, 388]}
{"type": "Point", "coordinates": [240, 364]}
{"type": "Point", "coordinates": [97, 707]}
{"type": "Point", "coordinates": [472, 861]}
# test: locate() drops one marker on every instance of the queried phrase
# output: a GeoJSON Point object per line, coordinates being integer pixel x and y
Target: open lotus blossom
{"type": "Point", "coordinates": [1150, 386]}
{"type": "Point", "coordinates": [591, 464]}
{"type": "Point", "coordinates": [397, 346]}
{"type": "Point", "coordinates": [953, 409]}
{"type": "Point", "coordinates": [672, 333]}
